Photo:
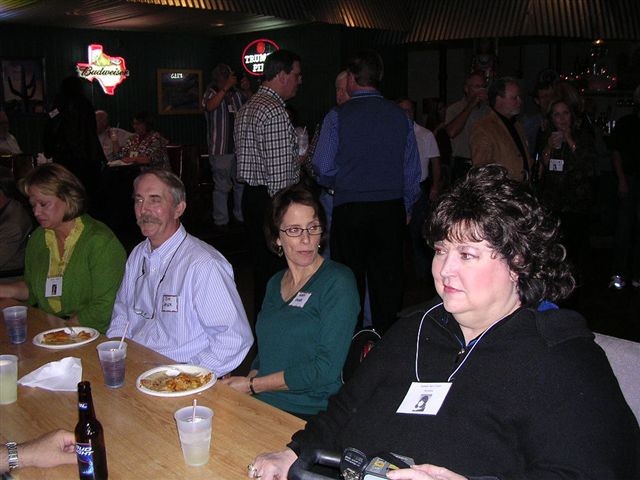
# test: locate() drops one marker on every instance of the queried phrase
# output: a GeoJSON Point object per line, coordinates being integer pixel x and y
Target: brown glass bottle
{"type": "Point", "coordinates": [90, 450]}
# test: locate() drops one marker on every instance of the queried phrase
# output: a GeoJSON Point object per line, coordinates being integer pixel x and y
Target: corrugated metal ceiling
{"type": "Point", "coordinates": [397, 21]}
{"type": "Point", "coordinates": [439, 20]}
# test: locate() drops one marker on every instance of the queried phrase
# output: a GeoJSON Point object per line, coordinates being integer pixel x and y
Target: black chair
{"type": "Point", "coordinates": [361, 344]}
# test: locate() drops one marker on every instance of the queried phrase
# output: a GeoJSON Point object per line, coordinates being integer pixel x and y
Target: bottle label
{"type": "Point", "coordinates": [84, 452]}
{"type": "Point", "coordinates": [83, 405]}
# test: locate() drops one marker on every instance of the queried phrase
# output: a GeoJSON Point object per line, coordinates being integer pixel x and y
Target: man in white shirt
{"type": "Point", "coordinates": [178, 293]}
{"type": "Point", "coordinates": [8, 143]}
{"type": "Point", "coordinates": [460, 118]}
{"type": "Point", "coordinates": [429, 188]}
{"type": "Point", "coordinates": [111, 138]}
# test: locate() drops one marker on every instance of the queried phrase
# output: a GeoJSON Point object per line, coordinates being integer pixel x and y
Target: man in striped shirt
{"type": "Point", "coordinates": [267, 153]}
{"type": "Point", "coordinates": [178, 294]}
{"type": "Point", "coordinates": [221, 101]}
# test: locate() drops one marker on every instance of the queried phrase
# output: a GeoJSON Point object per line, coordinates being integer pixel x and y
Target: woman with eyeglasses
{"type": "Point", "coordinates": [308, 315]}
{"type": "Point", "coordinates": [73, 263]}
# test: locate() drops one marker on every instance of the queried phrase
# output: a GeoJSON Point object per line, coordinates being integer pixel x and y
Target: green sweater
{"type": "Point", "coordinates": [91, 279]}
{"type": "Point", "coordinates": [309, 343]}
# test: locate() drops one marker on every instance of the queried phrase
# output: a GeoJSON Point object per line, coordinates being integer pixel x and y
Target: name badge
{"type": "Point", "coordinates": [169, 303]}
{"type": "Point", "coordinates": [300, 299]}
{"type": "Point", "coordinates": [556, 165]}
{"type": "Point", "coordinates": [54, 113]}
{"type": "Point", "coordinates": [53, 287]}
{"type": "Point", "coordinates": [424, 398]}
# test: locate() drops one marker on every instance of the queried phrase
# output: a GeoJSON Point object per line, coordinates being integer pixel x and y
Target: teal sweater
{"type": "Point", "coordinates": [91, 279]}
{"type": "Point", "coordinates": [308, 343]}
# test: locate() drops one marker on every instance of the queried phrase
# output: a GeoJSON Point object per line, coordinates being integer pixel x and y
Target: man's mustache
{"type": "Point", "coordinates": [148, 219]}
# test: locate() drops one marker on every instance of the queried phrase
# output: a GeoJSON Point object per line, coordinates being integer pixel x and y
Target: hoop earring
{"type": "Point", "coordinates": [280, 252]}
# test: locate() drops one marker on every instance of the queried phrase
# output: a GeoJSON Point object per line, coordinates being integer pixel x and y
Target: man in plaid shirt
{"type": "Point", "coordinates": [267, 155]}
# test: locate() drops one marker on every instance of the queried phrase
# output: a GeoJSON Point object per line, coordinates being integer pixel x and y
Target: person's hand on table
{"type": "Point", "coordinates": [239, 383]}
{"type": "Point", "coordinates": [272, 466]}
{"type": "Point", "coordinates": [50, 450]}
{"type": "Point", "coordinates": [424, 472]}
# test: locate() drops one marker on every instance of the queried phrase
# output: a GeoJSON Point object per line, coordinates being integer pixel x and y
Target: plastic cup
{"type": "Point", "coordinates": [112, 361]}
{"type": "Point", "coordinates": [195, 436]}
{"type": "Point", "coordinates": [15, 319]}
{"type": "Point", "coordinates": [8, 379]}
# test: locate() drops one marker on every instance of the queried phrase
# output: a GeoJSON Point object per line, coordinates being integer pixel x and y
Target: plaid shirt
{"type": "Point", "coordinates": [266, 144]}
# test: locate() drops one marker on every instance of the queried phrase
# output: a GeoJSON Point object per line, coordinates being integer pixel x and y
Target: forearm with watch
{"type": "Point", "coordinates": [267, 383]}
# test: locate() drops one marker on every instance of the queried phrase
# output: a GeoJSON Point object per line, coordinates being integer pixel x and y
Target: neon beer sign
{"type": "Point", "coordinates": [108, 71]}
{"type": "Point", "coordinates": [256, 53]}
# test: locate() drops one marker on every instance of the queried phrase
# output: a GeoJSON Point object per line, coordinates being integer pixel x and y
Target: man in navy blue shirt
{"type": "Point", "coordinates": [367, 155]}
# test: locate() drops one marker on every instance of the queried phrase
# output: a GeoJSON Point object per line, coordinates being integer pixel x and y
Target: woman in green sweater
{"type": "Point", "coordinates": [308, 315]}
{"type": "Point", "coordinates": [74, 264]}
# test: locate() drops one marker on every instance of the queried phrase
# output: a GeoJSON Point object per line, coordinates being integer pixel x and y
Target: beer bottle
{"type": "Point", "coordinates": [92, 456]}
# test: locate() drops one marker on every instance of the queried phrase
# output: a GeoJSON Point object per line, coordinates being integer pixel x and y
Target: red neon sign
{"type": "Point", "coordinates": [108, 71]}
{"type": "Point", "coordinates": [256, 53]}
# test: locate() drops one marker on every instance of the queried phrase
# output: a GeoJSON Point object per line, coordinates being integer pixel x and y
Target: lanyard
{"type": "Point", "coordinates": [475, 343]}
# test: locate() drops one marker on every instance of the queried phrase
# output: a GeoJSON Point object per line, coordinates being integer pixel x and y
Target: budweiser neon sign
{"type": "Point", "coordinates": [108, 71]}
{"type": "Point", "coordinates": [256, 53]}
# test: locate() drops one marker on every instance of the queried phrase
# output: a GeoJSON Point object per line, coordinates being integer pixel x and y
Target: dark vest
{"type": "Point", "coordinates": [372, 137]}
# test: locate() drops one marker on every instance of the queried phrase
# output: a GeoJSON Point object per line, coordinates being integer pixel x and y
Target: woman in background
{"type": "Point", "coordinates": [568, 164]}
{"type": "Point", "coordinates": [145, 147]}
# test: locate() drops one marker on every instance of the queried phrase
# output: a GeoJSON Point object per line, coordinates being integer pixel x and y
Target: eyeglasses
{"type": "Point", "coordinates": [139, 311]}
{"type": "Point", "coordinates": [297, 231]}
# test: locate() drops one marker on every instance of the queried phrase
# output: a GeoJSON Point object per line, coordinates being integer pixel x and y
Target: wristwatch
{"type": "Point", "coordinates": [12, 451]}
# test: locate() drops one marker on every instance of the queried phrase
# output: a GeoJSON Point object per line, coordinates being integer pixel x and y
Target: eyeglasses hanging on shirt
{"type": "Point", "coordinates": [137, 293]}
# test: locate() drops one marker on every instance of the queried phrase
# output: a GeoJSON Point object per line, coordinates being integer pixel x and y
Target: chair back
{"type": "Point", "coordinates": [624, 357]}
{"type": "Point", "coordinates": [19, 164]}
{"type": "Point", "coordinates": [361, 344]}
{"type": "Point", "coordinates": [175, 153]}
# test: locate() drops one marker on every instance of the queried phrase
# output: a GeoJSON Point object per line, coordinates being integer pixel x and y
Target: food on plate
{"type": "Point", "coordinates": [62, 337]}
{"type": "Point", "coordinates": [162, 382]}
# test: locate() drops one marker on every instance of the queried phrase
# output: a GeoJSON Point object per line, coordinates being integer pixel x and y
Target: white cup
{"type": "Point", "coordinates": [195, 436]}
{"type": "Point", "coordinates": [8, 379]}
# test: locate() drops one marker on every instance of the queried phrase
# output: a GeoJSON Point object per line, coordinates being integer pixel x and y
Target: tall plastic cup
{"type": "Point", "coordinates": [15, 319]}
{"type": "Point", "coordinates": [195, 434]}
{"type": "Point", "coordinates": [8, 379]}
{"type": "Point", "coordinates": [112, 361]}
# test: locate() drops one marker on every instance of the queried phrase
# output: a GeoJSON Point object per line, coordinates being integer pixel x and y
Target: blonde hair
{"type": "Point", "coordinates": [54, 179]}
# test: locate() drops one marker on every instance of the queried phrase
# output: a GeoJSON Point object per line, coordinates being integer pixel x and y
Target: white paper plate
{"type": "Point", "coordinates": [190, 369]}
{"type": "Point", "coordinates": [37, 340]}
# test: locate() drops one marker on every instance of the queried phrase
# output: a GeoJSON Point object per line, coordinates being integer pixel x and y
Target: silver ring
{"type": "Point", "coordinates": [252, 471]}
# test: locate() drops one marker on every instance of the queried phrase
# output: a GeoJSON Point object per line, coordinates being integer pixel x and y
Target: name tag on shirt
{"type": "Point", "coordinates": [169, 303]}
{"type": "Point", "coordinates": [53, 287]}
{"type": "Point", "coordinates": [424, 398]}
{"type": "Point", "coordinates": [556, 165]}
{"type": "Point", "coordinates": [300, 299]}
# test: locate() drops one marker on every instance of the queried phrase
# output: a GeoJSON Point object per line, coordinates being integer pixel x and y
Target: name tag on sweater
{"type": "Point", "coordinates": [556, 165]}
{"type": "Point", "coordinates": [53, 287]}
{"type": "Point", "coordinates": [300, 299]}
{"type": "Point", "coordinates": [424, 398]}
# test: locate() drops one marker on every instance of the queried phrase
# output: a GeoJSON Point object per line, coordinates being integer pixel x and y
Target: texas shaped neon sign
{"type": "Point", "coordinates": [108, 71]}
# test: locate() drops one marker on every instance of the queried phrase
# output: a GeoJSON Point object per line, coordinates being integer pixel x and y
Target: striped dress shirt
{"type": "Point", "coordinates": [266, 143]}
{"type": "Point", "coordinates": [181, 301]}
{"type": "Point", "coordinates": [220, 120]}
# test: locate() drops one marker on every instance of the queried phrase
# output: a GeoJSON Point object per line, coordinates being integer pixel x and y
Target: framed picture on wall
{"type": "Point", "coordinates": [23, 84]}
{"type": "Point", "coordinates": [179, 91]}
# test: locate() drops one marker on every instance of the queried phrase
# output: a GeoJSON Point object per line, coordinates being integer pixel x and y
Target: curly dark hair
{"type": "Point", "coordinates": [299, 193]}
{"type": "Point", "coordinates": [487, 205]}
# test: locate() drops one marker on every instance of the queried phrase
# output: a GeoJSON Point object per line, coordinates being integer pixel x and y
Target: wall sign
{"type": "Point", "coordinates": [108, 71]}
{"type": "Point", "coordinates": [256, 53]}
